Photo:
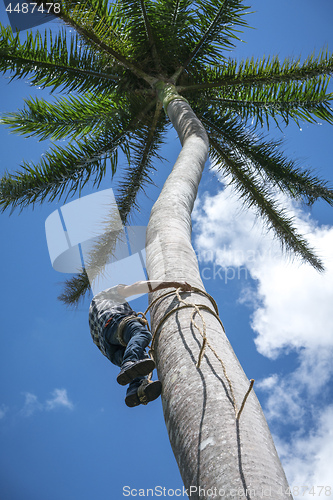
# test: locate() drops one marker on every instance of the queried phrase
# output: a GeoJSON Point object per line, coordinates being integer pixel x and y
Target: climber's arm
{"type": "Point", "coordinates": [151, 286]}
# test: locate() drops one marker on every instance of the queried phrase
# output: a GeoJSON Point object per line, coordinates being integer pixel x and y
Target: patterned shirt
{"type": "Point", "coordinates": [104, 305]}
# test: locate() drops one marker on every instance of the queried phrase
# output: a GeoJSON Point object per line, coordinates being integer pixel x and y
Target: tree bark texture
{"type": "Point", "coordinates": [218, 456]}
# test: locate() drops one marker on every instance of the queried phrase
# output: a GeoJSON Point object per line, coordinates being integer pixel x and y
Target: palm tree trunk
{"type": "Point", "coordinates": [225, 457]}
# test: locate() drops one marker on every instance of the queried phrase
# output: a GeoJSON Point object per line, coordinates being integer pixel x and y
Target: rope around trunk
{"type": "Point", "coordinates": [202, 331]}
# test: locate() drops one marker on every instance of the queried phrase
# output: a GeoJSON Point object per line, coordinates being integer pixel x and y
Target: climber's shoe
{"type": "Point", "coordinates": [146, 392]}
{"type": "Point", "coordinates": [132, 369]}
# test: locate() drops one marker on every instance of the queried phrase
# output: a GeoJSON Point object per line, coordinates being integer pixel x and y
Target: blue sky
{"type": "Point", "coordinates": [65, 431]}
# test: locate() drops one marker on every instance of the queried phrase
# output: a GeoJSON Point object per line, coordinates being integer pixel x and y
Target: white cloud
{"type": "Point", "coordinates": [296, 301]}
{"type": "Point", "coordinates": [284, 399]}
{"type": "Point", "coordinates": [59, 399]}
{"type": "Point", "coordinates": [308, 459]}
{"type": "Point", "coordinates": [268, 383]}
{"type": "Point", "coordinates": [31, 405]}
{"type": "Point", "coordinates": [3, 411]}
{"type": "Point", "coordinates": [298, 396]}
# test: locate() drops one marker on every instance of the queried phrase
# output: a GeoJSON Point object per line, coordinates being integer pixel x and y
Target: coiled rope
{"type": "Point", "coordinates": [202, 332]}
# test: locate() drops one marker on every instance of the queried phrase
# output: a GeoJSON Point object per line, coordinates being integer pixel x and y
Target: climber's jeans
{"type": "Point", "coordinates": [137, 338]}
{"type": "Point", "coordinates": [135, 335]}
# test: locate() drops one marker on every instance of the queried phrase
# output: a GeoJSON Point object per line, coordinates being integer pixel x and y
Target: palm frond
{"type": "Point", "coordinates": [254, 194]}
{"type": "Point", "coordinates": [75, 289]}
{"type": "Point", "coordinates": [268, 160]}
{"type": "Point", "coordinates": [67, 170]}
{"type": "Point", "coordinates": [218, 21]}
{"type": "Point", "coordinates": [258, 72]}
{"type": "Point", "coordinates": [175, 27]}
{"type": "Point", "coordinates": [139, 28]}
{"type": "Point", "coordinates": [307, 101]}
{"type": "Point", "coordinates": [56, 62]}
{"type": "Point", "coordinates": [101, 32]}
{"type": "Point", "coordinates": [136, 177]}
{"type": "Point", "coordinates": [61, 170]}
{"type": "Point", "coordinates": [97, 21]}
{"type": "Point", "coordinates": [70, 117]}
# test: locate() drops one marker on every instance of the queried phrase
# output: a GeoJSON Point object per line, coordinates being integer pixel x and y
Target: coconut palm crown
{"type": "Point", "coordinates": [123, 63]}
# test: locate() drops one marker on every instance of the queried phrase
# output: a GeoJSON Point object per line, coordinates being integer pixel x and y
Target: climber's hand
{"type": "Point", "coordinates": [186, 287]}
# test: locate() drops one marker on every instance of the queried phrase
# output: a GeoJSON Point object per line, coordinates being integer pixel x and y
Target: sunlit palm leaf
{"type": "Point", "coordinates": [61, 172]}
{"type": "Point", "coordinates": [56, 62]}
{"type": "Point", "coordinates": [255, 194]}
{"type": "Point", "coordinates": [251, 72]}
{"type": "Point", "coordinates": [70, 117]}
{"type": "Point", "coordinates": [307, 101]}
{"type": "Point", "coordinates": [268, 160]}
{"type": "Point", "coordinates": [175, 26]}
{"type": "Point", "coordinates": [217, 32]}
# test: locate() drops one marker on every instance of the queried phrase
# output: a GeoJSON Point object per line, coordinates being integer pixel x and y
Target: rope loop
{"type": "Point", "coordinates": [205, 342]}
{"type": "Point", "coordinates": [143, 320]}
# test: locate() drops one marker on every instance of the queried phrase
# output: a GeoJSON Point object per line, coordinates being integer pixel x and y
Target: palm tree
{"type": "Point", "coordinates": [126, 62]}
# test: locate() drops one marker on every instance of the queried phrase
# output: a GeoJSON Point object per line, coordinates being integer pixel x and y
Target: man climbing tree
{"type": "Point", "coordinates": [122, 336]}
{"type": "Point", "coordinates": [130, 69]}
